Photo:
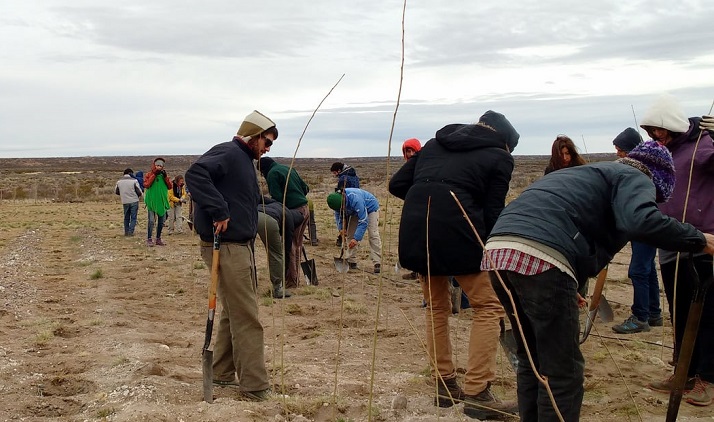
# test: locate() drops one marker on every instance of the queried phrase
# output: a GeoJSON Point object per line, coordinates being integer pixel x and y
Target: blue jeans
{"type": "Point", "coordinates": [130, 211]}
{"type": "Point", "coordinates": [153, 217]}
{"type": "Point", "coordinates": [547, 306]}
{"type": "Point", "coordinates": [643, 273]}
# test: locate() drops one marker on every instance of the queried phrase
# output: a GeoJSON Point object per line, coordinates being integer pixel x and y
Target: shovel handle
{"type": "Point", "coordinates": [215, 262]}
{"type": "Point", "coordinates": [597, 291]}
{"type": "Point", "coordinates": [214, 271]}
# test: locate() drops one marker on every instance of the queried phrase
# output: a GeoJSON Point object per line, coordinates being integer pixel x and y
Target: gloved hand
{"type": "Point", "coordinates": [163, 173]}
{"type": "Point", "coordinates": [707, 123]}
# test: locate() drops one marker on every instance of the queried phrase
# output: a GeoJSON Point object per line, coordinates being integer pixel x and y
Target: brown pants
{"type": "Point", "coordinates": [483, 341]}
{"type": "Point", "coordinates": [239, 349]}
{"type": "Point", "coordinates": [292, 278]}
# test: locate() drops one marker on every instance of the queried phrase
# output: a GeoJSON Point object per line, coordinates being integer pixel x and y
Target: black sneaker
{"type": "Point", "coordinates": [353, 265]}
{"type": "Point", "coordinates": [377, 268]}
{"type": "Point", "coordinates": [485, 405]}
{"type": "Point", "coordinates": [657, 321]}
{"type": "Point", "coordinates": [631, 325]}
{"type": "Point", "coordinates": [448, 393]}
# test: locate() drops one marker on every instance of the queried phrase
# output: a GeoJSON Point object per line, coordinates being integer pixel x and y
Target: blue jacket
{"type": "Point", "coordinates": [347, 178]}
{"type": "Point", "coordinates": [358, 203]}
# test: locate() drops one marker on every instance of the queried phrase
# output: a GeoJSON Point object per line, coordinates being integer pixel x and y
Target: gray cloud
{"type": "Point", "coordinates": [91, 77]}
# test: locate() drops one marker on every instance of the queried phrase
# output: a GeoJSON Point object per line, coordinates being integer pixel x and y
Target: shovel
{"type": "Point", "coordinates": [207, 355]}
{"type": "Point", "coordinates": [308, 268]}
{"type": "Point", "coordinates": [688, 339]}
{"type": "Point", "coordinates": [341, 264]}
{"type": "Point", "coordinates": [508, 343]}
{"type": "Point", "coordinates": [595, 302]}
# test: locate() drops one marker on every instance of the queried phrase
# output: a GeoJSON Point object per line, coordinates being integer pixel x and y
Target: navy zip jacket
{"type": "Point", "coordinates": [588, 213]}
{"type": "Point", "coordinates": [223, 184]}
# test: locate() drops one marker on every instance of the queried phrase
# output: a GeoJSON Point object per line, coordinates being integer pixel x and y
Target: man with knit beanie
{"type": "Point", "coordinates": [287, 187]}
{"type": "Point", "coordinates": [646, 311]}
{"type": "Point", "coordinates": [224, 186]}
{"type": "Point", "coordinates": [561, 230]}
{"type": "Point", "coordinates": [690, 141]}
{"type": "Point", "coordinates": [357, 213]}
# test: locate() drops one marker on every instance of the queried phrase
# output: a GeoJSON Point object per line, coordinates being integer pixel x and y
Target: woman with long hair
{"type": "Point", "coordinates": [564, 154]}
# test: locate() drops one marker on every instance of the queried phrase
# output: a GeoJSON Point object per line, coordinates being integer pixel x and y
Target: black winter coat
{"type": "Point", "coordinates": [223, 184]}
{"type": "Point", "coordinates": [588, 213]}
{"type": "Point", "coordinates": [472, 161]}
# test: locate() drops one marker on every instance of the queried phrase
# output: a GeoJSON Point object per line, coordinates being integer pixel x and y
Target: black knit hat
{"type": "Point", "coordinates": [627, 140]}
{"type": "Point", "coordinates": [264, 165]}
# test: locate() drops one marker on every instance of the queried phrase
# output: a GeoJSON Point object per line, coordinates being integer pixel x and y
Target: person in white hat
{"type": "Point", "coordinates": [224, 186]}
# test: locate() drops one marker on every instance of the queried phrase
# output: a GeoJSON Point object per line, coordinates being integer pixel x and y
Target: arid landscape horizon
{"type": "Point", "coordinates": [97, 326]}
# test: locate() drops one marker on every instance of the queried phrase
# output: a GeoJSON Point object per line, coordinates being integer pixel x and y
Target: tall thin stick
{"type": "Point", "coordinates": [543, 380]}
{"type": "Point", "coordinates": [386, 213]}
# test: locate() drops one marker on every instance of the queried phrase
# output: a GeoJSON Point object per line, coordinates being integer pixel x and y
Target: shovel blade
{"type": "Point", "coordinates": [341, 265]}
{"type": "Point", "coordinates": [207, 365]}
{"type": "Point", "coordinates": [508, 342]}
{"type": "Point", "coordinates": [308, 268]}
{"type": "Point", "coordinates": [605, 310]}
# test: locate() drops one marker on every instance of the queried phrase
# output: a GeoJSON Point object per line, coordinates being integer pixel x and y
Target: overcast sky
{"type": "Point", "coordinates": [150, 77]}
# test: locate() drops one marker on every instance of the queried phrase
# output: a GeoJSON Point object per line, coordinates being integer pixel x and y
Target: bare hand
{"type": "Point", "coordinates": [710, 243]}
{"type": "Point", "coordinates": [221, 226]}
{"type": "Point", "coordinates": [352, 244]}
{"type": "Point", "coordinates": [582, 303]}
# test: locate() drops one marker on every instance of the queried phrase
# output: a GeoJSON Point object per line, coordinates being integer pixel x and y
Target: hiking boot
{"type": "Point", "coordinates": [631, 325]}
{"type": "Point", "coordinates": [666, 385]}
{"type": "Point", "coordinates": [160, 242]}
{"type": "Point", "coordinates": [485, 405]}
{"type": "Point", "coordinates": [377, 268]}
{"type": "Point", "coordinates": [448, 392]}
{"type": "Point", "coordinates": [410, 276]}
{"type": "Point", "coordinates": [353, 265]}
{"type": "Point", "coordinates": [657, 321]}
{"type": "Point", "coordinates": [281, 294]}
{"type": "Point", "coordinates": [260, 395]}
{"type": "Point", "coordinates": [702, 394]}
{"type": "Point", "coordinates": [149, 242]}
{"type": "Point", "coordinates": [231, 383]}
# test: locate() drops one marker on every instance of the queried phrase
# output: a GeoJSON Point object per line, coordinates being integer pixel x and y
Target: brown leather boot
{"type": "Point", "coordinates": [448, 392]}
{"type": "Point", "coordinates": [485, 405]}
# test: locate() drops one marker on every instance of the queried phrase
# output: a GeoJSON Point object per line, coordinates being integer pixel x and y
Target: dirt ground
{"type": "Point", "coordinates": [97, 326]}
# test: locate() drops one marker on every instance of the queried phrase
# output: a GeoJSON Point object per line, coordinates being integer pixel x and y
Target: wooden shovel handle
{"type": "Point", "coordinates": [597, 292]}
{"type": "Point", "coordinates": [214, 271]}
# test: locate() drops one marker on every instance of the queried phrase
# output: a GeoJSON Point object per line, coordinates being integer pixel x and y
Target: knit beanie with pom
{"type": "Point", "coordinates": [658, 161]}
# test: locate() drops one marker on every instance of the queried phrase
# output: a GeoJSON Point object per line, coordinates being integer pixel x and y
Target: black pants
{"type": "Point", "coordinates": [548, 310]}
{"type": "Point", "coordinates": [702, 363]}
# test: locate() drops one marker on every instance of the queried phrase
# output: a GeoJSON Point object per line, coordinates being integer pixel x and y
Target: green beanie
{"type": "Point", "coordinates": [334, 201]}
